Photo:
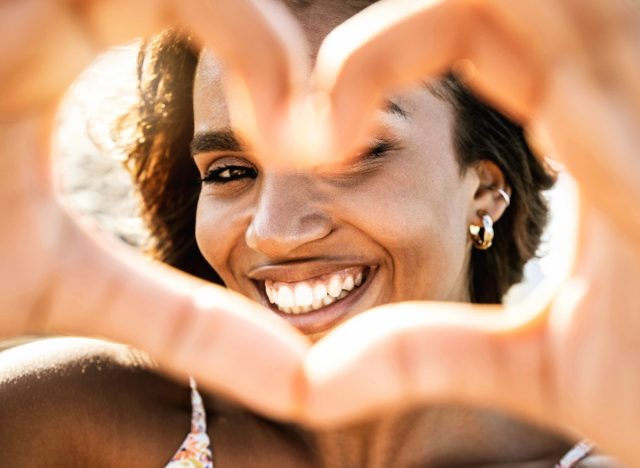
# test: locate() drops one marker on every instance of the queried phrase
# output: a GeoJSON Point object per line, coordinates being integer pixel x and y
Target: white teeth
{"type": "Point", "coordinates": [328, 300]}
{"type": "Point", "coordinates": [271, 292]}
{"type": "Point", "coordinates": [285, 297]}
{"type": "Point", "coordinates": [348, 283]}
{"type": "Point", "coordinates": [303, 295]}
{"type": "Point", "coordinates": [319, 292]}
{"type": "Point", "coordinates": [335, 286]}
{"type": "Point", "coordinates": [272, 295]}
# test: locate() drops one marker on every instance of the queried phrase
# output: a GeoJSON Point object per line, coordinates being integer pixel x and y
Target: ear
{"type": "Point", "coordinates": [492, 194]}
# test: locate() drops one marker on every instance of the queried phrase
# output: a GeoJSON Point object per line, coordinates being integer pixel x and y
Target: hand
{"type": "Point", "coordinates": [568, 68]}
{"type": "Point", "coordinates": [57, 278]}
{"type": "Point", "coordinates": [576, 340]}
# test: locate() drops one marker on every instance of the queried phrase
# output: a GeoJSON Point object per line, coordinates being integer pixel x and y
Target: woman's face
{"type": "Point", "coordinates": [322, 245]}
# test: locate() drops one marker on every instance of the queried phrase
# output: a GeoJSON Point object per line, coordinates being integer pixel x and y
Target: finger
{"type": "Point", "coordinates": [80, 286]}
{"type": "Point", "coordinates": [554, 78]}
{"type": "Point", "coordinates": [587, 101]}
{"type": "Point", "coordinates": [56, 278]}
{"type": "Point", "coordinates": [431, 353]}
{"type": "Point", "coordinates": [261, 45]}
{"type": "Point", "coordinates": [394, 44]}
{"type": "Point", "coordinates": [259, 41]}
{"type": "Point", "coordinates": [542, 34]}
{"type": "Point", "coordinates": [596, 134]}
{"type": "Point", "coordinates": [388, 45]}
{"type": "Point", "coordinates": [229, 344]}
{"type": "Point", "coordinates": [600, 110]}
{"type": "Point", "coordinates": [46, 44]}
{"type": "Point", "coordinates": [400, 45]}
{"type": "Point", "coordinates": [267, 63]}
{"type": "Point", "coordinates": [498, 61]}
{"type": "Point", "coordinates": [37, 38]}
{"type": "Point", "coordinates": [111, 22]}
{"type": "Point", "coordinates": [601, 21]}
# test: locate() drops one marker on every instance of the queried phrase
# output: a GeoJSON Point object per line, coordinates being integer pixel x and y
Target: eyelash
{"type": "Point", "coordinates": [236, 172]}
{"type": "Point", "coordinates": [214, 176]}
{"type": "Point", "coordinates": [379, 148]}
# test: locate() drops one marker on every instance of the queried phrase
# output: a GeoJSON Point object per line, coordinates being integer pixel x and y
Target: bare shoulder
{"type": "Point", "coordinates": [81, 401]}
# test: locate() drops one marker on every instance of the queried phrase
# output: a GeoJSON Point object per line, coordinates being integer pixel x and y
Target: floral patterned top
{"type": "Point", "coordinates": [195, 451]}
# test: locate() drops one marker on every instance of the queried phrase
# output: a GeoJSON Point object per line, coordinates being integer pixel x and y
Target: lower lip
{"type": "Point", "coordinates": [327, 317]}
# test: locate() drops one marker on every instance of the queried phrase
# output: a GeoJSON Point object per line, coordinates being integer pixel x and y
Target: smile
{"type": "Point", "coordinates": [315, 296]}
{"type": "Point", "coordinates": [301, 297]}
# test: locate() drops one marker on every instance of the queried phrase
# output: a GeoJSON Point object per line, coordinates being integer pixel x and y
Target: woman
{"type": "Point", "coordinates": [255, 249]}
{"type": "Point", "coordinates": [307, 243]}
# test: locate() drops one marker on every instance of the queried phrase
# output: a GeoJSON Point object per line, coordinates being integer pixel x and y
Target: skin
{"type": "Point", "coordinates": [317, 217]}
{"type": "Point", "coordinates": [590, 337]}
{"type": "Point", "coordinates": [421, 194]}
{"type": "Point", "coordinates": [415, 240]}
{"type": "Point", "coordinates": [424, 204]}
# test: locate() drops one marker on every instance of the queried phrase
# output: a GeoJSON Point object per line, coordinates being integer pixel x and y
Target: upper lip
{"type": "Point", "coordinates": [301, 270]}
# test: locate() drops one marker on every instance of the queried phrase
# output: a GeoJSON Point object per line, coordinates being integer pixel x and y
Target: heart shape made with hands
{"type": "Point", "coordinates": [530, 360]}
{"type": "Point", "coordinates": [554, 358]}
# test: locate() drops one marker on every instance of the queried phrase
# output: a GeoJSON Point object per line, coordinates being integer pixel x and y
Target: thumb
{"type": "Point", "coordinates": [230, 344]}
{"type": "Point", "coordinates": [429, 353]}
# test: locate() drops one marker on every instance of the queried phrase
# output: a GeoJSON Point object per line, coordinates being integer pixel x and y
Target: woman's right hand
{"type": "Point", "coordinates": [55, 276]}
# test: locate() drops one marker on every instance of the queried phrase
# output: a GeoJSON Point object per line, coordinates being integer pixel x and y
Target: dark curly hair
{"type": "Point", "coordinates": [168, 181]}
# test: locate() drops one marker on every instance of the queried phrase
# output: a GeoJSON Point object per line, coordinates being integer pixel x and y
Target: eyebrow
{"type": "Point", "coordinates": [392, 107]}
{"type": "Point", "coordinates": [226, 140]}
{"type": "Point", "coordinates": [219, 140]}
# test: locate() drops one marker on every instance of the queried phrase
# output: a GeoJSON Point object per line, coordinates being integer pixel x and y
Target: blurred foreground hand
{"type": "Point", "coordinates": [567, 70]}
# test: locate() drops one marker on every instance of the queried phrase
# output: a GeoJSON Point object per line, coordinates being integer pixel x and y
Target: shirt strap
{"type": "Point", "coordinates": [579, 452]}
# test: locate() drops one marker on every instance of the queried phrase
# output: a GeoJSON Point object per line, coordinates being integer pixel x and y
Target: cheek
{"type": "Point", "coordinates": [206, 238]}
{"type": "Point", "coordinates": [218, 230]}
{"type": "Point", "coordinates": [419, 219]}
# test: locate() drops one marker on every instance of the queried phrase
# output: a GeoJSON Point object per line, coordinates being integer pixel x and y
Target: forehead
{"type": "Point", "coordinates": [317, 18]}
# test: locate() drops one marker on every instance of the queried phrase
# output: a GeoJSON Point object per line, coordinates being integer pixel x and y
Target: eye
{"type": "Point", "coordinates": [378, 149]}
{"type": "Point", "coordinates": [228, 173]}
{"type": "Point", "coordinates": [368, 161]}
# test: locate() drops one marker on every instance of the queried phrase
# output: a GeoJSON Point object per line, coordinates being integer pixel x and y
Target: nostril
{"type": "Point", "coordinates": [279, 236]}
{"type": "Point", "coordinates": [315, 226]}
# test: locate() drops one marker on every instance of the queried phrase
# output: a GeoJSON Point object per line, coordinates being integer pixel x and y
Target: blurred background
{"type": "Point", "coordinates": [89, 164]}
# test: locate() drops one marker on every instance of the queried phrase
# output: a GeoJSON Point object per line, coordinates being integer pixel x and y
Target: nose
{"type": "Point", "coordinates": [288, 215]}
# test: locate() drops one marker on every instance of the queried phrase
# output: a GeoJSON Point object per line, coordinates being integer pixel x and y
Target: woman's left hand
{"type": "Point", "coordinates": [567, 70]}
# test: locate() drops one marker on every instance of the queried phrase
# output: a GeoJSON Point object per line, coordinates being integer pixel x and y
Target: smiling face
{"type": "Point", "coordinates": [322, 245]}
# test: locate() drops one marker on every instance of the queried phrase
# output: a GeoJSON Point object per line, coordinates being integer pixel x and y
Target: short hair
{"type": "Point", "coordinates": [168, 182]}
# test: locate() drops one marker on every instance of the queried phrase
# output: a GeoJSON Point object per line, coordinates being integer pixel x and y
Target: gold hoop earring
{"type": "Point", "coordinates": [482, 237]}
